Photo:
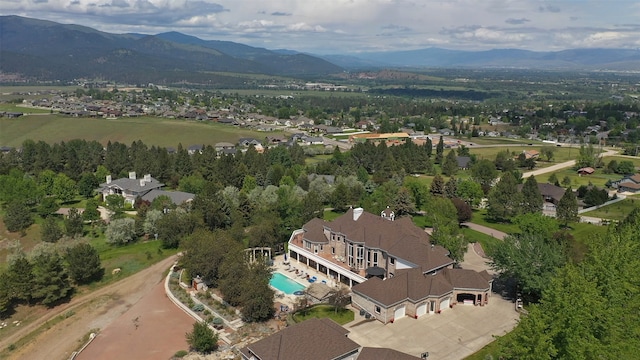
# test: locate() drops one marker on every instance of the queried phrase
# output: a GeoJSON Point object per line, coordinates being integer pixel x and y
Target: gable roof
{"type": "Point", "coordinates": [177, 197]}
{"type": "Point", "coordinates": [413, 285]}
{"type": "Point", "coordinates": [463, 161]}
{"type": "Point", "coordinates": [550, 190]}
{"type": "Point", "coordinates": [133, 185]}
{"type": "Point", "coordinates": [313, 339]}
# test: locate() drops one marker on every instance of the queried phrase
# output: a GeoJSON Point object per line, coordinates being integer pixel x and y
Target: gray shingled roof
{"type": "Point", "coordinates": [413, 285]}
{"type": "Point", "coordinates": [313, 339]}
{"type": "Point", "coordinates": [134, 184]}
{"type": "Point", "coordinates": [177, 197]}
{"type": "Point", "coordinates": [369, 353]}
{"type": "Point", "coordinates": [400, 238]}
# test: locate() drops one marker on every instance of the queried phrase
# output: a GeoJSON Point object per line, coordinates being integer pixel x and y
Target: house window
{"type": "Point", "coordinates": [307, 245]}
{"type": "Point", "coordinates": [377, 309]}
{"type": "Point", "coordinates": [392, 261]}
{"type": "Point", "coordinates": [333, 250]}
{"type": "Point", "coordinates": [375, 259]}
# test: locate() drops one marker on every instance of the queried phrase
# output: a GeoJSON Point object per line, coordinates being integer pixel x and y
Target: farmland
{"type": "Point", "coordinates": [152, 131]}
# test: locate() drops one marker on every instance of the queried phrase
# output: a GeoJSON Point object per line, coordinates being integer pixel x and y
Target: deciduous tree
{"type": "Point", "coordinates": [202, 338]}
{"type": "Point", "coordinates": [121, 231]}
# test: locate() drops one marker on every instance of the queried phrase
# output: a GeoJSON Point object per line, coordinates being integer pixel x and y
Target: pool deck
{"type": "Point", "coordinates": [281, 267]}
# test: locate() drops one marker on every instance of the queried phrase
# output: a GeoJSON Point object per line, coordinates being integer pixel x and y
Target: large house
{"type": "Point", "coordinates": [146, 188]}
{"type": "Point", "coordinates": [357, 241]}
{"type": "Point", "coordinates": [316, 339]}
{"type": "Point", "coordinates": [390, 264]}
{"type": "Point", "coordinates": [629, 183]}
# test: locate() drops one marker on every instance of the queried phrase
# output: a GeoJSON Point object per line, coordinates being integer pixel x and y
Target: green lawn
{"type": "Point", "coordinates": [130, 258]}
{"type": "Point", "coordinates": [326, 311]}
{"type": "Point", "coordinates": [151, 130]}
{"type": "Point", "coordinates": [617, 211]}
{"type": "Point", "coordinates": [480, 217]}
{"type": "Point", "coordinates": [488, 242]}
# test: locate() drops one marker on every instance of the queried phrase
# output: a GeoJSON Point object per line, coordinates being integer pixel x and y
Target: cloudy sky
{"type": "Point", "coordinates": [340, 26]}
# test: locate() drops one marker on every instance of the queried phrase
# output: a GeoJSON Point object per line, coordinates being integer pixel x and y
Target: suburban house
{"type": "Point", "coordinates": [551, 195]}
{"type": "Point", "coordinates": [196, 148]}
{"type": "Point", "coordinates": [130, 188]}
{"type": "Point", "coordinates": [390, 264]}
{"type": "Point", "coordinates": [630, 183]}
{"type": "Point", "coordinates": [464, 162]}
{"type": "Point", "coordinates": [315, 339]}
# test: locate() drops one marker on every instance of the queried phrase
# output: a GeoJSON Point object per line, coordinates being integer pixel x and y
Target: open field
{"type": "Point", "coordinates": [599, 178]}
{"type": "Point", "coordinates": [561, 154]}
{"type": "Point", "coordinates": [151, 130]}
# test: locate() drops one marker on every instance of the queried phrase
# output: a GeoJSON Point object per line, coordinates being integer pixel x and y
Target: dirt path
{"type": "Point", "coordinates": [94, 310]}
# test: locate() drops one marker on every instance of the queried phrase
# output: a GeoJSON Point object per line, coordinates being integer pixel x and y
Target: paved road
{"type": "Point", "coordinates": [486, 230]}
{"type": "Point", "coordinates": [563, 165]}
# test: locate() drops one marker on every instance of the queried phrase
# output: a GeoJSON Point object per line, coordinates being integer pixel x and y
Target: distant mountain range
{"type": "Point", "coordinates": [46, 50]}
{"type": "Point", "coordinates": [576, 59]}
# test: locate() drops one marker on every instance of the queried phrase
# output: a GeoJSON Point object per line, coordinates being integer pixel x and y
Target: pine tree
{"type": "Point", "coordinates": [567, 210]}
{"type": "Point", "coordinates": [440, 150]}
{"type": "Point", "coordinates": [450, 165]}
{"type": "Point", "coordinates": [532, 200]}
{"type": "Point", "coordinates": [437, 185]}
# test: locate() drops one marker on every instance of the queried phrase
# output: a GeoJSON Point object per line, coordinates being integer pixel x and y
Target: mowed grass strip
{"type": "Point", "coordinates": [151, 130]}
{"type": "Point", "coordinates": [342, 316]}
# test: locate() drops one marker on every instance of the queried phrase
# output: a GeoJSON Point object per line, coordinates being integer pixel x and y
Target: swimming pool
{"type": "Point", "coordinates": [285, 284]}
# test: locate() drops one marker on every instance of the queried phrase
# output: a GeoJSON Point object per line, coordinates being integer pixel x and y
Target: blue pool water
{"type": "Point", "coordinates": [285, 284]}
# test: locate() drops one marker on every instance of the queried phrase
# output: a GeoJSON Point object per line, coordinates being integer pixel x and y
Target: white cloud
{"type": "Point", "coordinates": [353, 25]}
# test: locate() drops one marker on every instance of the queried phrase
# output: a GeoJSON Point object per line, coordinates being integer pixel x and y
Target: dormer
{"type": "Point", "coordinates": [388, 214]}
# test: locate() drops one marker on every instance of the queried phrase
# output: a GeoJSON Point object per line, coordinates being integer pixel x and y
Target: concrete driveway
{"type": "Point", "coordinates": [454, 334]}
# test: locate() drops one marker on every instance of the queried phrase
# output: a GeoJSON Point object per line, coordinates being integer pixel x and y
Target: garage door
{"type": "Point", "coordinates": [399, 313]}
{"type": "Point", "coordinates": [444, 304]}
{"type": "Point", "coordinates": [421, 310]}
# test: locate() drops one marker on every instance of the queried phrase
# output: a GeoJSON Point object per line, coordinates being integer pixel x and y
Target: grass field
{"type": "Point", "coordinates": [22, 109]}
{"type": "Point", "coordinates": [599, 178]}
{"type": "Point", "coordinates": [152, 131]}
{"type": "Point", "coordinates": [325, 311]}
{"type": "Point", "coordinates": [298, 93]}
{"type": "Point", "coordinates": [617, 211]}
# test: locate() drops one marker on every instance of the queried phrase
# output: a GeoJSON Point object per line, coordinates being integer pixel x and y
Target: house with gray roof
{"type": "Point", "coordinates": [177, 197]}
{"type": "Point", "coordinates": [316, 339]}
{"type": "Point", "coordinates": [129, 188]}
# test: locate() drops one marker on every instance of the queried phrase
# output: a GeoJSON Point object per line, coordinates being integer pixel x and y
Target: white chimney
{"type": "Point", "coordinates": [142, 182]}
{"type": "Point", "coordinates": [132, 175]}
{"type": "Point", "coordinates": [147, 178]}
{"type": "Point", "coordinates": [357, 212]}
{"type": "Point", "coordinates": [108, 179]}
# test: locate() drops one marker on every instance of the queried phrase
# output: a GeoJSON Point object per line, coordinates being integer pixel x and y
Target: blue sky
{"type": "Point", "coordinates": [342, 26]}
